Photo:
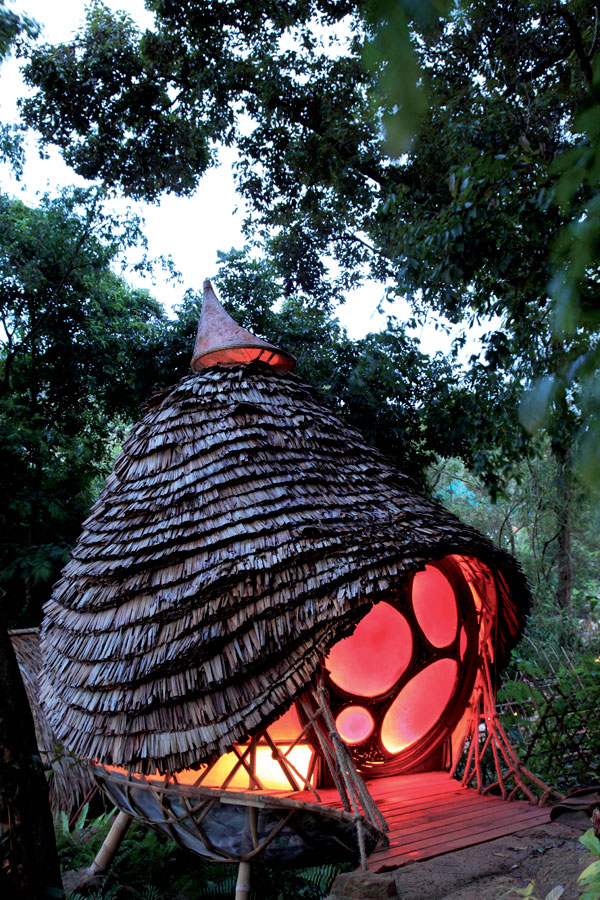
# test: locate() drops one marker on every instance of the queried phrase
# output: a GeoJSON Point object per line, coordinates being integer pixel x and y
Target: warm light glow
{"type": "Point", "coordinates": [287, 727]}
{"type": "Point", "coordinates": [476, 598]}
{"type": "Point", "coordinates": [463, 643]}
{"type": "Point", "coordinates": [354, 724]}
{"type": "Point", "coordinates": [283, 732]}
{"type": "Point", "coordinates": [235, 356]}
{"type": "Point", "coordinates": [419, 705]}
{"type": "Point", "coordinates": [371, 660]}
{"type": "Point", "coordinates": [219, 772]}
{"type": "Point", "coordinates": [267, 770]}
{"type": "Point", "coordinates": [434, 604]}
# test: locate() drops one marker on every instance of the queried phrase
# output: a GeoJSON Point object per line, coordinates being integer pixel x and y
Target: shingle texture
{"type": "Point", "coordinates": [243, 530]}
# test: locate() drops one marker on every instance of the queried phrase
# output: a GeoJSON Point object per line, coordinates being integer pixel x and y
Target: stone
{"type": "Point", "coordinates": [363, 886]}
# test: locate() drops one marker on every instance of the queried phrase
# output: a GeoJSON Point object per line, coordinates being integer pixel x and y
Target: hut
{"type": "Point", "coordinates": [70, 781]}
{"type": "Point", "coordinates": [260, 608]}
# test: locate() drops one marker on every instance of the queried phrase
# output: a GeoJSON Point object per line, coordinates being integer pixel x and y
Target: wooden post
{"type": "Point", "coordinates": [111, 844]}
{"type": "Point", "coordinates": [242, 887]}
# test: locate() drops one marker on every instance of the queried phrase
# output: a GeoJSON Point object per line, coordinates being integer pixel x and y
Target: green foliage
{"type": "Point", "coordinates": [531, 892]}
{"type": "Point", "coordinates": [76, 359]}
{"type": "Point", "coordinates": [12, 26]}
{"type": "Point", "coordinates": [574, 285]}
{"type": "Point", "coordinates": [465, 222]}
{"type": "Point", "coordinates": [524, 518]}
{"type": "Point", "coordinates": [462, 222]}
{"type": "Point", "coordinates": [589, 880]}
{"type": "Point", "coordinates": [158, 869]}
{"type": "Point", "coordinates": [555, 722]}
{"type": "Point", "coordinates": [403, 401]}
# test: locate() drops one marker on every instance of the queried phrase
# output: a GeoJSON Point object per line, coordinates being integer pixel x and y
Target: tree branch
{"type": "Point", "coordinates": [584, 60]}
{"type": "Point", "coordinates": [17, 348]}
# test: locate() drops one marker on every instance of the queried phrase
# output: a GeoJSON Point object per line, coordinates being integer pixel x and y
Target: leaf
{"type": "Point", "coordinates": [82, 817]}
{"type": "Point", "coordinates": [555, 893]}
{"type": "Point", "coordinates": [535, 405]}
{"type": "Point", "coordinates": [590, 841]}
{"type": "Point", "coordinates": [592, 869]}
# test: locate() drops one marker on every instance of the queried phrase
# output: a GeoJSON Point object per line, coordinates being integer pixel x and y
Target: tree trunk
{"type": "Point", "coordinates": [564, 588]}
{"type": "Point", "coordinates": [28, 860]}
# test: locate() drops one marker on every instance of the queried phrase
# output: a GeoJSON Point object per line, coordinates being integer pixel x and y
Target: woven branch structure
{"type": "Point", "coordinates": [284, 829]}
{"type": "Point", "coordinates": [484, 734]}
{"type": "Point", "coordinates": [244, 531]}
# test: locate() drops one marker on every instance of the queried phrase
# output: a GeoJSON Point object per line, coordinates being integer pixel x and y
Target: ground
{"type": "Point", "coordinates": [549, 854]}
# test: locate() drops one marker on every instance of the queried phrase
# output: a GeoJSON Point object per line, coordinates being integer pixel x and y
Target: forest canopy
{"type": "Point", "coordinates": [447, 150]}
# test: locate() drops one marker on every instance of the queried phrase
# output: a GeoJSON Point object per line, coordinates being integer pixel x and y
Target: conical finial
{"type": "Point", "coordinates": [222, 342]}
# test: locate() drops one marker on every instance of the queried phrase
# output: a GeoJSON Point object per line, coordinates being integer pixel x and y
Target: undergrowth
{"type": "Point", "coordinates": [155, 868]}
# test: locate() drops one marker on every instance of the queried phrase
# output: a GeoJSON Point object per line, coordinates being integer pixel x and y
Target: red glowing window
{"type": "Point", "coordinates": [434, 603]}
{"type": "Point", "coordinates": [418, 707]}
{"type": "Point", "coordinates": [355, 724]}
{"type": "Point", "coordinates": [371, 660]}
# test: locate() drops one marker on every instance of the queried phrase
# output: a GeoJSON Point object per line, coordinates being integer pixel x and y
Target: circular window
{"type": "Point", "coordinates": [400, 682]}
{"type": "Point", "coordinates": [354, 724]}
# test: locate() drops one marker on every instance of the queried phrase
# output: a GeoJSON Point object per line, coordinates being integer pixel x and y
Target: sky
{"type": "Point", "coordinates": [189, 230]}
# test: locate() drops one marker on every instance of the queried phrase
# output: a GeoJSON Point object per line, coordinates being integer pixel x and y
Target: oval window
{"type": "Point", "coordinates": [418, 707]}
{"type": "Point", "coordinates": [434, 603]}
{"type": "Point", "coordinates": [373, 658]}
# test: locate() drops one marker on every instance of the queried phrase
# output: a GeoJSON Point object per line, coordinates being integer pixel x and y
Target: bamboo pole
{"type": "Point", "coordinates": [242, 886]}
{"type": "Point", "coordinates": [111, 844]}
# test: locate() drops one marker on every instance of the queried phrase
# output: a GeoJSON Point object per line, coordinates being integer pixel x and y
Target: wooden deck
{"type": "Point", "coordinates": [431, 814]}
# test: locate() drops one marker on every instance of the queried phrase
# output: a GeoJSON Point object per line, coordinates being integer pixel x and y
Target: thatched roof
{"type": "Point", "coordinates": [69, 780]}
{"type": "Point", "coordinates": [244, 529]}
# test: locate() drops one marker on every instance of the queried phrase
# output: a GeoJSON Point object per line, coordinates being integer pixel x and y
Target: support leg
{"type": "Point", "coordinates": [242, 887]}
{"type": "Point", "coordinates": [107, 851]}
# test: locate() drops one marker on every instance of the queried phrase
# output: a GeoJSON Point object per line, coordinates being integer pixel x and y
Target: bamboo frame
{"type": "Point", "coordinates": [198, 801]}
{"type": "Point", "coordinates": [484, 733]}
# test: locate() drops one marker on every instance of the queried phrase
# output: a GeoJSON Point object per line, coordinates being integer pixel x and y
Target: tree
{"type": "Point", "coordinates": [524, 520]}
{"type": "Point", "coordinates": [77, 359]}
{"type": "Point", "coordinates": [28, 860]}
{"type": "Point", "coordinates": [464, 222]}
{"type": "Point", "coordinates": [403, 401]}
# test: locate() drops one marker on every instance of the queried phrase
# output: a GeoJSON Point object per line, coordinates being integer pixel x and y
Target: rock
{"type": "Point", "coordinates": [80, 880]}
{"type": "Point", "coordinates": [362, 886]}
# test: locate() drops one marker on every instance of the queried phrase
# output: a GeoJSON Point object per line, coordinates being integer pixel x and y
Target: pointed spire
{"type": "Point", "coordinates": [222, 342]}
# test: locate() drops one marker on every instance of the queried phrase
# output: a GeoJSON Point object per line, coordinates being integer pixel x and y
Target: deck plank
{"type": "Point", "coordinates": [430, 814]}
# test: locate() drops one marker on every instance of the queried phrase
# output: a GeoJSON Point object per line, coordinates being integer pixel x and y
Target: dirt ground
{"type": "Point", "coordinates": [549, 854]}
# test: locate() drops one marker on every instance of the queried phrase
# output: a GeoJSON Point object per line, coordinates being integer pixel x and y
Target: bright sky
{"type": "Point", "coordinates": [190, 230]}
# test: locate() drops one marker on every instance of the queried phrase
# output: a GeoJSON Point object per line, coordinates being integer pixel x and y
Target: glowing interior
{"type": "Point", "coordinates": [268, 771]}
{"type": "Point", "coordinates": [231, 356]}
{"type": "Point", "coordinates": [355, 724]}
{"type": "Point", "coordinates": [435, 607]}
{"type": "Point", "coordinates": [419, 705]}
{"type": "Point", "coordinates": [371, 660]}
{"type": "Point", "coordinates": [287, 727]}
